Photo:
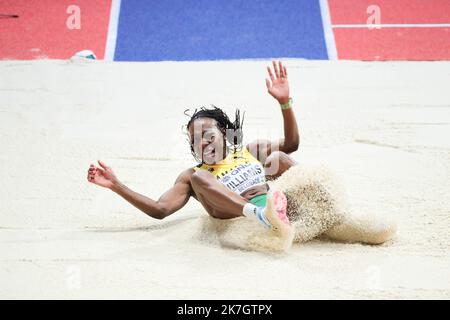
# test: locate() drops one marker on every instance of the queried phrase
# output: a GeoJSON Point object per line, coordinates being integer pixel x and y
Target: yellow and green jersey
{"type": "Point", "coordinates": [239, 171]}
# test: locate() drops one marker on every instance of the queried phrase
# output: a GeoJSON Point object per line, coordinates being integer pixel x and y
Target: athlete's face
{"type": "Point", "coordinates": [207, 140]}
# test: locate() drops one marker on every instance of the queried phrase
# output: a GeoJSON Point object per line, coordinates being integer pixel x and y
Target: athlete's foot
{"type": "Point", "coordinates": [275, 212]}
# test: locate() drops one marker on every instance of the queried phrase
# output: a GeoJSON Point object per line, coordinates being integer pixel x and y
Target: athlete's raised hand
{"type": "Point", "coordinates": [278, 85]}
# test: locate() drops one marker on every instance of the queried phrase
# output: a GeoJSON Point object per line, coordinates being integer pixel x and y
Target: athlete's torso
{"type": "Point", "coordinates": [240, 172]}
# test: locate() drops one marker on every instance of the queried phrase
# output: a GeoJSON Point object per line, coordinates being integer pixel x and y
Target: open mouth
{"type": "Point", "coordinates": [209, 153]}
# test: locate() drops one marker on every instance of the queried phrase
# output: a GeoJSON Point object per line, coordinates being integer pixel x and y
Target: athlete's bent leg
{"type": "Point", "coordinates": [218, 200]}
{"type": "Point", "coordinates": [222, 203]}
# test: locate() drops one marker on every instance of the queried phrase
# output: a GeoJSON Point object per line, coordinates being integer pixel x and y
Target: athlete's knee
{"type": "Point", "coordinates": [272, 163]}
{"type": "Point", "coordinates": [277, 163]}
{"type": "Point", "coordinates": [201, 178]}
{"type": "Point", "coordinates": [274, 156]}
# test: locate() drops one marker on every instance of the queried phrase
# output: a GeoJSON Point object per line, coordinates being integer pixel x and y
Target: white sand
{"type": "Point", "coordinates": [383, 127]}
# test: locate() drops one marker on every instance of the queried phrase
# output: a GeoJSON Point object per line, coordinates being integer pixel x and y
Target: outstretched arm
{"type": "Point", "coordinates": [278, 87]}
{"type": "Point", "coordinates": [171, 201]}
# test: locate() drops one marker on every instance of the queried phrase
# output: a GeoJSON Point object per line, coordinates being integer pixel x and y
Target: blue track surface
{"type": "Point", "coordinates": [219, 29]}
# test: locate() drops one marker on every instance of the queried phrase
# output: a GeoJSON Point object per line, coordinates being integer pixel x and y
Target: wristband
{"type": "Point", "coordinates": [286, 105]}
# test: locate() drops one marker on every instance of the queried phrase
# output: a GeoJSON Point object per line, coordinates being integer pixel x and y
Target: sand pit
{"type": "Point", "coordinates": [383, 128]}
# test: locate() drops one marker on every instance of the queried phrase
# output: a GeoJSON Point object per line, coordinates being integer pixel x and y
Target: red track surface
{"type": "Point", "coordinates": [41, 31]}
{"type": "Point", "coordinates": [404, 43]}
{"type": "Point", "coordinates": [392, 11]}
{"type": "Point", "coordinates": [393, 44]}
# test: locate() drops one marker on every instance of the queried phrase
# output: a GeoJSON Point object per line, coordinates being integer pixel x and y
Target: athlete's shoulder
{"type": "Point", "coordinates": [186, 175]}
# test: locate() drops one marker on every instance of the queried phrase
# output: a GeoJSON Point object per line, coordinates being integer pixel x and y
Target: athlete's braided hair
{"type": "Point", "coordinates": [232, 130]}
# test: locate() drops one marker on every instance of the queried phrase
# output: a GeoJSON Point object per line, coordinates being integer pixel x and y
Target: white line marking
{"type": "Point", "coordinates": [405, 25]}
{"type": "Point", "coordinates": [328, 30]}
{"type": "Point", "coordinates": [112, 30]}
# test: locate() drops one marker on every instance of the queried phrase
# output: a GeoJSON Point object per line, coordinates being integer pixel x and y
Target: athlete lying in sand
{"type": "Point", "coordinates": [230, 180]}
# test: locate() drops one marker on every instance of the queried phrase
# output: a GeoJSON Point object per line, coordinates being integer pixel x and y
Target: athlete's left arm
{"type": "Point", "coordinates": [278, 87]}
